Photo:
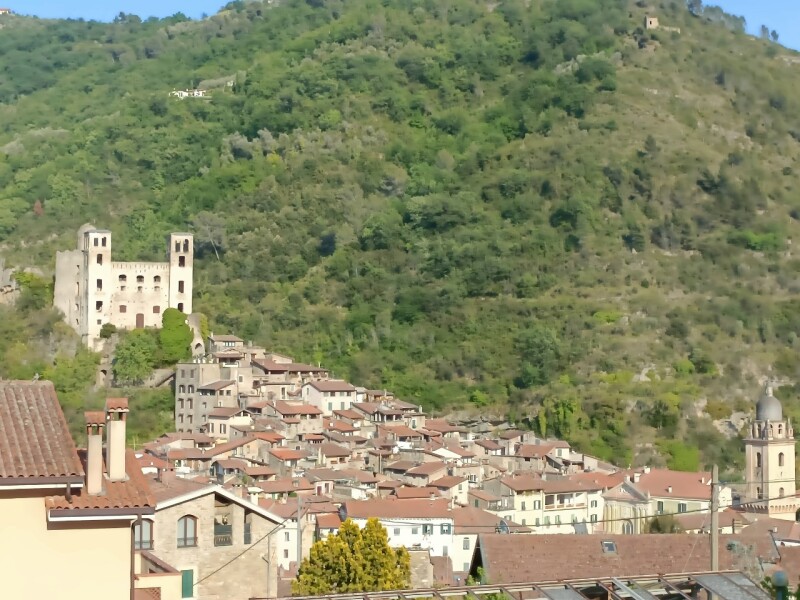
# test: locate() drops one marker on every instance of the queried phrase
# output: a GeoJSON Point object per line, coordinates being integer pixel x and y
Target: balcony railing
{"type": "Point", "coordinates": [564, 506]}
{"type": "Point", "coordinates": [223, 535]}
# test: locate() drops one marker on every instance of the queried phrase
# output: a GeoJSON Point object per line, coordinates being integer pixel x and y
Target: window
{"type": "Point", "coordinates": [211, 428]}
{"type": "Point", "coordinates": [123, 308]}
{"type": "Point", "coordinates": [181, 389]}
{"type": "Point", "coordinates": [537, 522]}
{"type": "Point", "coordinates": [156, 310]}
{"type": "Point", "coordinates": [185, 245]}
{"type": "Point", "coordinates": [465, 543]}
{"type": "Point", "coordinates": [414, 530]}
{"type": "Point", "coordinates": [190, 404]}
{"type": "Point", "coordinates": [104, 242]}
{"type": "Point", "coordinates": [143, 535]}
{"type": "Point", "coordinates": [445, 529]}
{"type": "Point", "coordinates": [547, 520]}
{"type": "Point", "coordinates": [180, 287]}
{"type": "Point", "coordinates": [99, 259]}
{"type": "Point", "coordinates": [758, 459]}
{"type": "Point", "coordinates": [523, 506]}
{"type": "Point", "coordinates": [187, 532]}
{"type": "Point", "coordinates": [157, 279]}
{"type": "Point", "coordinates": [780, 459]}
{"type": "Point", "coordinates": [98, 305]}
{"type": "Point", "coordinates": [190, 388]}
{"type": "Point", "coordinates": [537, 505]}
{"type": "Point", "coordinates": [140, 279]}
{"type": "Point", "coordinates": [681, 507]}
{"type": "Point", "coordinates": [558, 519]}
{"type": "Point", "coordinates": [180, 306]}
{"type": "Point", "coordinates": [476, 503]}
{"type": "Point", "coordinates": [223, 428]}
{"type": "Point", "coordinates": [593, 518]}
{"type": "Point", "coordinates": [660, 507]}
{"type": "Point", "coordinates": [180, 403]}
{"type": "Point", "coordinates": [594, 504]}
{"type": "Point", "coordinates": [181, 261]}
{"type": "Point", "coordinates": [609, 547]}
{"type": "Point", "coordinates": [96, 241]}
{"type": "Point", "coordinates": [139, 289]}
{"type": "Point", "coordinates": [177, 246]}
{"type": "Point", "coordinates": [397, 531]}
{"type": "Point", "coordinates": [574, 519]}
{"type": "Point", "coordinates": [180, 418]}
{"type": "Point", "coordinates": [445, 551]}
{"type": "Point", "coordinates": [285, 536]}
{"type": "Point", "coordinates": [285, 554]}
{"type": "Point", "coordinates": [759, 493]}
{"type": "Point", "coordinates": [99, 284]}
{"type": "Point", "coordinates": [524, 521]}
{"type": "Point", "coordinates": [780, 492]}
{"type": "Point", "coordinates": [427, 530]}
{"type": "Point", "coordinates": [123, 278]}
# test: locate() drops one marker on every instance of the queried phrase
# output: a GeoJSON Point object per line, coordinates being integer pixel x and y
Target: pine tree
{"type": "Point", "coordinates": [353, 560]}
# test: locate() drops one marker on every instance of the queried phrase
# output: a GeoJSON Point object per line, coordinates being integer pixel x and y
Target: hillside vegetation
{"type": "Point", "coordinates": [526, 207]}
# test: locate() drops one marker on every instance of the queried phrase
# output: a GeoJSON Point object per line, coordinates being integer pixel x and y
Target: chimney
{"type": "Point", "coordinates": [636, 477]}
{"type": "Point", "coordinates": [116, 416]}
{"type": "Point", "coordinates": [669, 489]}
{"type": "Point", "coordinates": [95, 421]}
{"type": "Point", "coordinates": [646, 470]}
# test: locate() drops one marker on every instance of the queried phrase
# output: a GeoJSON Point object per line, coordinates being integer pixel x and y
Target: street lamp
{"type": "Point", "coordinates": [780, 581]}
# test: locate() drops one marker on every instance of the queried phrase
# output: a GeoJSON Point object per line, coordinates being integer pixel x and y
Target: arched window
{"type": "Point", "coordinates": [187, 532]}
{"type": "Point", "coordinates": [123, 278]}
{"type": "Point", "coordinates": [780, 461]}
{"type": "Point", "coordinates": [143, 535]}
{"type": "Point", "coordinates": [191, 389]}
{"type": "Point", "coordinates": [758, 459]}
{"type": "Point", "coordinates": [627, 528]}
{"type": "Point", "coordinates": [157, 279]}
{"type": "Point", "coordinates": [759, 493]}
{"type": "Point", "coordinates": [780, 492]}
{"type": "Point", "coordinates": [181, 389]}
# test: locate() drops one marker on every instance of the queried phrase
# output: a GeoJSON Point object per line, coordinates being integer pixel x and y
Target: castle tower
{"type": "Point", "coordinates": [181, 267]}
{"type": "Point", "coordinates": [770, 459]}
{"type": "Point", "coordinates": [97, 282]}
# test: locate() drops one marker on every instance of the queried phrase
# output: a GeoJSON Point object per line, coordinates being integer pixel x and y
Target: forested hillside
{"type": "Point", "coordinates": [532, 207]}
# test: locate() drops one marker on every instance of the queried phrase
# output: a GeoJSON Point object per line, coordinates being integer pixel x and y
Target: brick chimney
{"type": "Point", "coordinates": [95, 421]}
{"type": "Point", "coordinates": [116, 416]}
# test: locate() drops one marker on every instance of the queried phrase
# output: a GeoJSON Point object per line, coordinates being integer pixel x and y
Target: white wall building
{"type": "Point", "coordinates": [414, 523]}
{"type": "Point", "coordinates": [91, 290]}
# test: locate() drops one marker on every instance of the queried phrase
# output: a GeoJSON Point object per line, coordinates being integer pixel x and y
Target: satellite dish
{"type": "Point", "coordinates": [502, 526]}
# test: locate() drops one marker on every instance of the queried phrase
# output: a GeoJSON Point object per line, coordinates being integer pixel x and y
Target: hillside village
{"type": "Point", "coordinates": [269, 455]}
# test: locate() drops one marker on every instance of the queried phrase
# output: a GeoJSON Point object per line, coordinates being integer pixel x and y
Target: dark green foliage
{"type": "Point", "coordinates": [442, 200]}
{"type": "Point", "coordinates": [174, 337]}
{"type": "Point", "coordinates": [135, 357]}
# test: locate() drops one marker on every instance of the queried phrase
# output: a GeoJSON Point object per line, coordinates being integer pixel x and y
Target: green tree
{"type": "Point", "coordinates": [664, 524]}
{"type": "Point", "coordinates": [175, 336]}
{"type": "Point", "coordinates": [353, 560]}
{"type": "Point", "coordinates": [135, 357]}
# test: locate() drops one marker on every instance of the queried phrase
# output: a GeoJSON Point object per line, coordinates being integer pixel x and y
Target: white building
{"type": "Point", "coordinates": [91, 290]}
{"type": "Point", "coordinates": [415, 523]}
{"type": "Point", "coordinates": [329, 395]}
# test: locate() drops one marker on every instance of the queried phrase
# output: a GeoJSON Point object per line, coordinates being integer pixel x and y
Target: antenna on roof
{"type": "Point", "coordinates": [502, 526]}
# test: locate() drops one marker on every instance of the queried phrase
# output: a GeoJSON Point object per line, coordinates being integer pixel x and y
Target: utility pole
{"type": "Point", "coordinates": [299, 531]}
{"type": "Point", "coordinates": [715, 518]}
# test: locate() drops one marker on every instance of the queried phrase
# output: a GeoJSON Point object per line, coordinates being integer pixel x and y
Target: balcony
{"type": "Point", "coordinates": [223, 535]}
{"type": "Point", "coordinates": [564, 506]}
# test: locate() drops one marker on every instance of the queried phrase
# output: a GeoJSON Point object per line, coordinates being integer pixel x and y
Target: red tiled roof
{"type": "Point", "coordinates": [332, 385]}
{"type": "Point", "coordinates": [511, 434]}
{"type": "Point", "coordinates": [116, 404]}
{"type": "Point", "coordinates": [172, 486]}
{"type": "Point", "coordinates": [334, 450]}
{"type": "Point", "coordinates": [217, 385]}
{"type": "Point", "coordinates": [519, 558]}
{"type": "Point", "coordinates": [448, 481]}
{"type": "Point", "coordinates": [523, 482]}
{"type": "Point", "coordinates": [406, 492]}
{"type": "Point", "coordinates": [483, 495]}
{"type": "Point", "coordinates": [401, 431]}
{"type": "Point", "coordinates": [336, 425]}
{"type": "Point", "coordinates": [284, 408]}
{"type": "Point", "coordinates": [394, 508]}
{"type": "Point", "coordinates": [288, 454]}
{"type": "Point", "coordinates": [260, 471]}
{"type": "Point", "coordinates": [428, 468]}
{"type": "Point", "coordinates": [488, 444]}
{"type": "Point", "coordinates": [131, 494]}
{"type": "Point", "coordinates": [471, 520]}
{"type": "Point", "coordinates": [664, 483]}
{"type": "Point", "coordinates": [441, 426]}
{"type": "Point", "coordinates": [285, 485]}
{"type": "Point", "coordinates": [533, 450]}
{"type": "Point", "coordinates": [329, 521]}
{"type": "Point", "coordinates": [225, 412]}
{"type": "Point", "coordinates": [232, 463]}
{"type": "Point", "coordinates": [34, 439]}
{"type": "Point", "coordinates": [148, 460]}
{"type": "Point", "coordinates": [349, 414]}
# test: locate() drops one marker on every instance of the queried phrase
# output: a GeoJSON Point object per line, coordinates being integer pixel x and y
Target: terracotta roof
{"type": "Point", "coordinates": [341, 475]}
{"type": "Point", "coordinates": [349, 414]}
{"type": "Point", "coordinates": [369, 408]}
{"type": "Point", "coordinates": [471, 520]}
{"type": "Point", "coordinates": [511, 434]}
{"type": "Point", "coordinates": [333, 450]}
{"type": "Point", "coordinates": [217, 385]}
{"type": "Point", "coordinates": [336, 425]}
{"type": "Point", "coordinates": [401, 431]}
{"type": "Point", "coordinates": [329, 521]}
{"type": "Point", "coordinates": [428, 468]}
{"type": "Point", "coordinates": [448, 481]}
{"type": "Point", "coordinates": [117, 404]}
{"type": "Point", "coordinates": [148, 460]}
{"type": "Point", "coordinates": [34, 439]}
{"type": "Point", "coordinates": [188, 454]}
{"type": "Point", "coordinates": [260, 471]}
{"type": "Point", "coordinates": [702, 520]}
{"type": "Point", "coordinates": [519, 558]}
{"type": "Point", "coordinates": [441, 426]}
{"type": "Point", "coordinates": [401, 465]}
{"type": "Point", "coordinates": [523, 482]}
{"type": "Point", "coordinates": [172, 486]}
{"type": "Point", "coordinates": [131, 494]}
{"type": "Point", "coordinates": [483, 495]}
{"type": "Point", "coordinates": [533, 450]}
{"type": "Point", "coordinates": [284, 408]}
{"type": "Point", "coordinates": [389, 484]}
{"type": "Point", "coordinates": [394, 508]}
{"type": "Point", "coordinates": [312, 437]}
{"type": "Point", "coordinates": [332, 385]}
{"type": "Point", "coordinates": [488, 444]}
{"type": "Point", "coordinates": [232, 463]}
{"type": "Point", "coordinates": [406, 492]}
{"type": "Point", "coordinates": [657, 482]}
{"type": "Point", "coordinates": [268, 436]}
{"type": "Point", "coordinates": [225, 412]}
{"type": "Point", "coordinates": [568, 484]}
{"type": "Point", "coordinates": [285, 485]}
{"type": "Point", "coordinates": [288, 454]}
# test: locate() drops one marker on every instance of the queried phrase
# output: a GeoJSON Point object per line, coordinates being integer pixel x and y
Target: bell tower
{"type": "Point", "coordinates": [181, 267]}
{"type": "Point", "coordinates": [770, 458]}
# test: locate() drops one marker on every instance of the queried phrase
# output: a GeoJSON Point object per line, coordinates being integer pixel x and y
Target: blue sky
{"type": "Point", "coordinates": [781, 15]}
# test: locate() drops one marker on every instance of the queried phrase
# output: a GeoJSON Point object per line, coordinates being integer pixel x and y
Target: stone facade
{"type": "Point", "coordinates": [253, 574]}
{"type": "Point", "coordinates": [91, 290]}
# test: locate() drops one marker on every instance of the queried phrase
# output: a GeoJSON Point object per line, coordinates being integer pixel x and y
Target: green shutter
{"type": "Point", "coordinates": [187, 584]}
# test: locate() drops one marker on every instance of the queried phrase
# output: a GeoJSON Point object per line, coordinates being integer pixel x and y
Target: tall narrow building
{"type": "Point", "coordinates": [770, 485]}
